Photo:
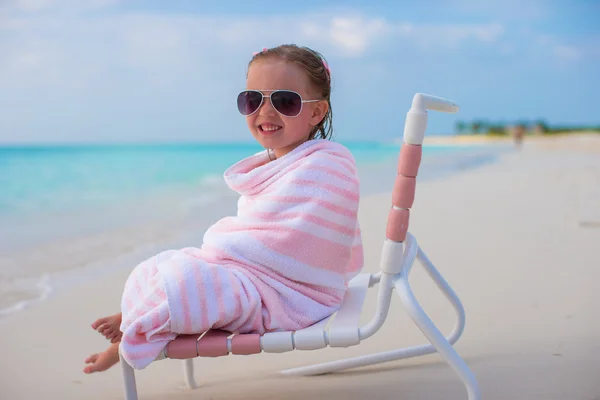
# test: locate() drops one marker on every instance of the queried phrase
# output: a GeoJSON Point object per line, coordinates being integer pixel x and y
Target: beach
{"type": "Point", "coordinates": [516, 238]}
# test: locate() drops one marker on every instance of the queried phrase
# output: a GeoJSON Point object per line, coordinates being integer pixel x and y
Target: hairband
{"type": "Point", "coordinates": [324, 62]}
{"type": "Point", "coordinates": [326, 67]}
{"type": "Point", "coordinates": [258, 52]}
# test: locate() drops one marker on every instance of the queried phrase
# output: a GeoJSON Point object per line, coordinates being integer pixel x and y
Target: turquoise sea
{"type": "Point", "coordinates": [63, 206]}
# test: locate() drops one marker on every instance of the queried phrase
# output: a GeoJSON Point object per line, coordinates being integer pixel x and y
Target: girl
{"type": "Point", "coordinates": [284, 260]}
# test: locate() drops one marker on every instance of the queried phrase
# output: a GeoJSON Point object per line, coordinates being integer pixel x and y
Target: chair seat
{"type": "Point", "coordinates": [341, 329]}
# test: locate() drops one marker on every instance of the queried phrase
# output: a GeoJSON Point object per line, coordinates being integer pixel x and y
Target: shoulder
{"type": "Point", "coordinates": [330, 165]}
{"type": "Point", "coordinates": [326, 153]}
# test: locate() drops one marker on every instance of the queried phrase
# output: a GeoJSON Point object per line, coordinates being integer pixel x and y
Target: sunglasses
{"type": "Point", "coordinates": [285, 102]}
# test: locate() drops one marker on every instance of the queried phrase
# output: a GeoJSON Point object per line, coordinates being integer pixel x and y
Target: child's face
{"type": "Point", "coordinates": [271, 129]}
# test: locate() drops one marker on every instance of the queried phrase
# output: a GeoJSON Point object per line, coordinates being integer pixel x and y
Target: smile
{"type": "Point", "coordinates": [269, 128]}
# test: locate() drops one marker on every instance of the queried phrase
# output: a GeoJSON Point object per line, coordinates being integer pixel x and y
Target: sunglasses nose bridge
{"type": "Point", "coordinates": [267, 105]}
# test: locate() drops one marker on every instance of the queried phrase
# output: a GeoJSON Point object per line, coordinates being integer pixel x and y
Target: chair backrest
{"type": "Point", "coordinates": [409, 160]}
{"type": "Point", "coordinates": [403, 194]}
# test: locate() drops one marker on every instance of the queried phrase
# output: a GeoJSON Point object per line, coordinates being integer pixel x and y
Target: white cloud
{"type": "Point", "coordinates": [564, 53]}
{"type": "Point", "coordinates": [450, 36]}
{"type": "Point", "coordinates": [567, 53]}
{"type": "Point", "coordinates": [354, 35]}
{"type": "Point", "coordinates": [32, 6]}
{"type": "Point", "coordinates": [507, 10]}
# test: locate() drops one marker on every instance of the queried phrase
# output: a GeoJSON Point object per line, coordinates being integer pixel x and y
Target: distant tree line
{"type": "Point", "coordinates": [541, 127]}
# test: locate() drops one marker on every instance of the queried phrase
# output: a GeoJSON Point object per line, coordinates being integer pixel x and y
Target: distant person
{"type": "Point", "coordinates": [519, 135]}
{"type": "Point", "coordinates": [283, 262]}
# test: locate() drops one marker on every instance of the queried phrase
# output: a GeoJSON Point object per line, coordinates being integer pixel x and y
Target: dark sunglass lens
{"type": "Point", "coordinates": [287, 103]}
{"type": "Point", "coordinates": [248, 102]}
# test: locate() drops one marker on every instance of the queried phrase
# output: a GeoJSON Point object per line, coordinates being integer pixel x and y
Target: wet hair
{"type": "Point", "coordinates": [314, 64]}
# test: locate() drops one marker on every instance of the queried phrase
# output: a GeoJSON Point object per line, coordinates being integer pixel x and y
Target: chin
{"type": "Point", "coordinates": [261, 140]}
{"type": "Point", "coordinates": [268, 142]}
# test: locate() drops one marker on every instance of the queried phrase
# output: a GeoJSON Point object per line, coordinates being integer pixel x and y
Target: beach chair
{"type": "Point", "coordinates": [400, 250]}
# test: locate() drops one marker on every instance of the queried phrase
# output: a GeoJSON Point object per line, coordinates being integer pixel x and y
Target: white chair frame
{"type": "Point", "coordinates": [342, 329]}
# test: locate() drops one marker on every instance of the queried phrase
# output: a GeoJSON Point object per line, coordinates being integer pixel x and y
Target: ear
{"type": "Point", "coordinates": [319, 112]}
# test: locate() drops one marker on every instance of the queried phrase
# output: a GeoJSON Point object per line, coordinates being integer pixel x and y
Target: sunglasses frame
{"type": "Point", "coordinates": [262, 100]}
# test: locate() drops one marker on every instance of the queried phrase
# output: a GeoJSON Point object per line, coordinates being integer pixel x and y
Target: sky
{"type": "Point", "coordinates": [165, 71]}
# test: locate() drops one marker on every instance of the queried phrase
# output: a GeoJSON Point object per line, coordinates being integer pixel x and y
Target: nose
{"type": "Point", "coordinates": [266, 108]}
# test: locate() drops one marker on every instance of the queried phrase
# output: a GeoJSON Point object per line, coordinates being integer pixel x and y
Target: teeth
{"type": "Point", "coordinates": [269, 128]}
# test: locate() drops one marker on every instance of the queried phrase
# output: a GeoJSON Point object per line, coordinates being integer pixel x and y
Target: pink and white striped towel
{"type": "Point", "coordinates": [282, 262]}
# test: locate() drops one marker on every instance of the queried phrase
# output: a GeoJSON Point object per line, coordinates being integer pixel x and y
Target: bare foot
{"type": "Point", "coordinates": [109, 327]}
{"type": "Point", "coordinates": [102, 361]}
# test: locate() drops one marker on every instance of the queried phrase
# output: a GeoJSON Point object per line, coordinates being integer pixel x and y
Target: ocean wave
{"type": "Point", "coordinates": [42, 286]}
{"type": "Point", "coordinates": [212, 180]}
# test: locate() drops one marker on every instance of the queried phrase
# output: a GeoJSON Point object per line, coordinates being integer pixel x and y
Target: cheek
{"type": "Point", "coordinates": [250, 121]}
{"type": "Point", "coordinates": [299, 125]}
{"type": "Point", "coordinates": [304, 120]}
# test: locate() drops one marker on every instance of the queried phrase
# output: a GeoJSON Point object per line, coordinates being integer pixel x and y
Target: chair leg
{"type": "Point", "coordinates": [129, 380]}
{"type": "Point", "coordinates": [188, 373]}
{"type": "Point", "coordinates": [426, 325]}
{"type": "Point", "coordinates": [401, 353]}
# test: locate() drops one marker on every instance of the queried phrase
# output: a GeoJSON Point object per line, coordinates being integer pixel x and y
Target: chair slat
{"type": "Point", "coordinates": [344, 330]}
{"type": "Point", "coordinates": [277, 342]}
{"type": "Point", "coordinates": [184, 346]}
{"type": "Point", "coordinates": [312, 337]}
{"type": "Point", "coordinates": [213, 344]}
{"type": "Point", "coordinates": [246, 343]}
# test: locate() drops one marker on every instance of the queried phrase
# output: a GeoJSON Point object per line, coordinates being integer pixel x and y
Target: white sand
{"type": "Point", "coordinates": [518, 240]}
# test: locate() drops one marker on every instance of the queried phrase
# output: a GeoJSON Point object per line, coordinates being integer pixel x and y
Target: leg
{"type": "Point", "coordinates": [129, 381]}
{"type": "Point", "coordinates": [109, 327]}
{"type": "Point", "coordinates": [188, 371]}
{"type": "Point", "coordinates": [429, 329]}
{"type": "Point", "coordinates": [401, 353]}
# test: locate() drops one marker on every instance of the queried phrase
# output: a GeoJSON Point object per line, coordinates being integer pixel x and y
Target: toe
{"type": "Point", "coordinates": [91, 359]}
{"type": "Point", "coordinates": [99, 322]}
{"type": "Point", "coordinates": [92, 368]}
{"type": "Point", "coordinates": [115, 339]}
